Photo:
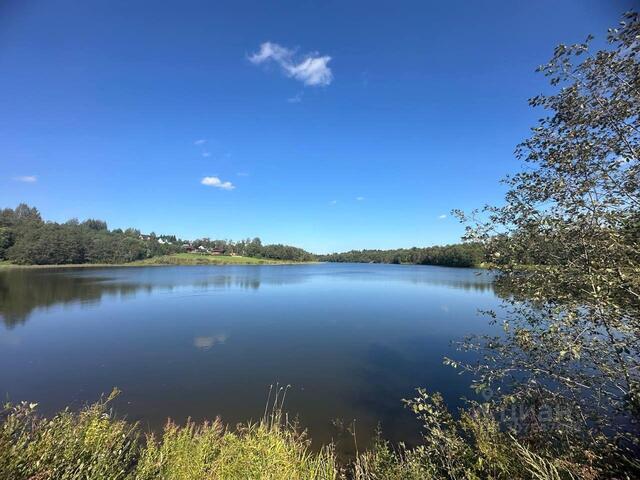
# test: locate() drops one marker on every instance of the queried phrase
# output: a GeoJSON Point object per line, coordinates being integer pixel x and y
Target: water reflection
{"type": "Point", "coordinates": [23, 290]}
{"type": "Point", "coordinates": [205, 343]}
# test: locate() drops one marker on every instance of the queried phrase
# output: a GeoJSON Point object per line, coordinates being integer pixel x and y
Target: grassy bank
{"type": "Point", "coordinates": [198, 259]}
{"type": "Point", "coordinates": [173, 259]}
{"type": "Point", "coordinates": [94, 444]}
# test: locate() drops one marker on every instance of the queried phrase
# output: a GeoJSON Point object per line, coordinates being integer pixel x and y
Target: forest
{"type": "Point", "coordinates": [26, 239]}
{"type": "Point", "coordinates": [456, 255]}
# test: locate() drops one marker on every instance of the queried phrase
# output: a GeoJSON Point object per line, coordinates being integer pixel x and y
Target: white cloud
{"type": "Point", "coordinates": [216, 182]}
{"type": "Point", "coordinates": [202, 141]}
{"type": "Point", "coordinates": [442, 217]}
{"type": "Point", "coordinates": [311, 69]}
{"type": "Point", "coordinates": [269, 50]}
{"type": "Point", "coordinates": [206, 154]}
{"type": "Point", "coordinates": [297, 98]}
{"type": "Point", "coordinates": [359, 199]}
{"type": "Point", "coordinates": [26, 179]}
{"type": "Point", "coordinates": [333, 202]}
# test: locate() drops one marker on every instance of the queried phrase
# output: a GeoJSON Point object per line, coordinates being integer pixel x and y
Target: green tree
{"type": "Point", "coordinates": [569, 358]}
{"type": "Point", "coordinates": [94, 224]}
{"type": "Point", "coordinates": [6, 240]}
{"type": "Point", "coordinates": [25, 213]}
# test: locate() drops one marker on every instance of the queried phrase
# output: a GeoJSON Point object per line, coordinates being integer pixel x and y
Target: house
{"type": "Point", "coordinates": [216, 251]}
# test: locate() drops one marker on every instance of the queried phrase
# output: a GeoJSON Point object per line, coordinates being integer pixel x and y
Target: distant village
{"type": "Point", "coordinates": [188, 247]}
{"type": "Point", "coordinates": [249, 247]}
{"type": "Point", "coordinates": [201, 246]}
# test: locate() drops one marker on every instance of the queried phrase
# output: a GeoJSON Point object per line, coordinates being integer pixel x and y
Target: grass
{"type": "Point", "coordinates": [199, 259]}
{"type": "Point", "coordinates": [173, 259]}
{"type": "Point", "coordinates": [94, 444]}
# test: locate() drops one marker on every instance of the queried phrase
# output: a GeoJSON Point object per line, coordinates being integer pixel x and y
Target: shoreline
{"type": "Point", "coordinates": [255, 262]}
{"type": "Point", "coordinates": [151, 263]}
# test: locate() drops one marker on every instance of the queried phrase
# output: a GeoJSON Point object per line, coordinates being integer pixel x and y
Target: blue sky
{"type": "Point", "coordinates": [327, 125]}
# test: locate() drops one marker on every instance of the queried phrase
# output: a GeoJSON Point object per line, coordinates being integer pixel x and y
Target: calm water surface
{"type": "Point", "coordinates": [352, 340]}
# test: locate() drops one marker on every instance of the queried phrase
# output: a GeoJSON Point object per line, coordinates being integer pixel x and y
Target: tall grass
{"type": "Point", "coordinates": [94, 444]}
{"type": "Point", "coordinates": [270, 449]}
{"type": "Point", "coordinates": [89, 444]}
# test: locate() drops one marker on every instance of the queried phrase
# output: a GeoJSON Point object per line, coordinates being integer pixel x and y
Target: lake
{"type": "Point", "coordinates": [352, 340]}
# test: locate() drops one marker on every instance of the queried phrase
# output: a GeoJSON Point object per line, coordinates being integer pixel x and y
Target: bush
{"type": "Point", "coordinates": [91, 444]}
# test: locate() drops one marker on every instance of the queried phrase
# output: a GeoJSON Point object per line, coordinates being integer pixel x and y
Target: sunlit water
{"type": "Point", "coordinates": [352, 340]}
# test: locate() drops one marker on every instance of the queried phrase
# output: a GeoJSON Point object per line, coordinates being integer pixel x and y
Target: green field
{"type": "Point", "coordinates": [199, 259]}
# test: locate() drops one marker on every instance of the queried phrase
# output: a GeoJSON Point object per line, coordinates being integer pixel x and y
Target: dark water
{"type": "Point", "coordinates": [351, 340]}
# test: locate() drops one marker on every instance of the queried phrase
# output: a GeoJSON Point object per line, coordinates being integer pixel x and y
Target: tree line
{"type": "Point", "coordinates": [27, 239]}
{"type": "Point", "coordinates": [253, 247]}
{"type": "Point", "coordinates": [456, 255]}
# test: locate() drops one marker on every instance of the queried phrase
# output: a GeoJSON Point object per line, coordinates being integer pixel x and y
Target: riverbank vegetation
{"type": "Point", "coordinates": [565, 372]}
{"type": "Point", "coordinates": [94, 444]}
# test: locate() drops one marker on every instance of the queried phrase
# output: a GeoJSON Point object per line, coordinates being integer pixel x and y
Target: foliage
{"type": "Point", "coordinates": [93, 444]}
{"type": "Point", "coordinates": [285, 252]}
{"type": "Point", "coordinates": [566, 370]}
{"type": "Point", "coordinates": [25, 239]}
{"type": "Point", "coordinates": [6, 240]}
{"type": "Point", "coordinates": [255, 249]}
{"type": "Point", "coordinates": [459, 255]}
{"type": "Point", "coordinates": [469, 447]}
{"type": "Point", "coordinates": [87, 445]}
{"type": "Point", "coordinates": [255, 451]}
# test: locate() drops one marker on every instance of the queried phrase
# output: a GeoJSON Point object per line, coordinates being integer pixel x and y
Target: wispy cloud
{"type": "Point", "coordinates": [202, 141]}
{"type": "Point", "coordinates": [242, 174]}
{"type": "Point", "coordinates": [442, 217]}
{"type": "Point", "coordinates": [26, 178]}
{"type": "Point", "coordinates": [359, 199]}
{"type": "Point", "coordinates": [206, 154]}
{"type": "Point", "coordinates": [333, 202]}
{"type": "Point", "coordinates": [216, 182]}
{"type": "Point", "coordinates": [312, 69]}
{"type": "Point", "coordinates": [297, 98]}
